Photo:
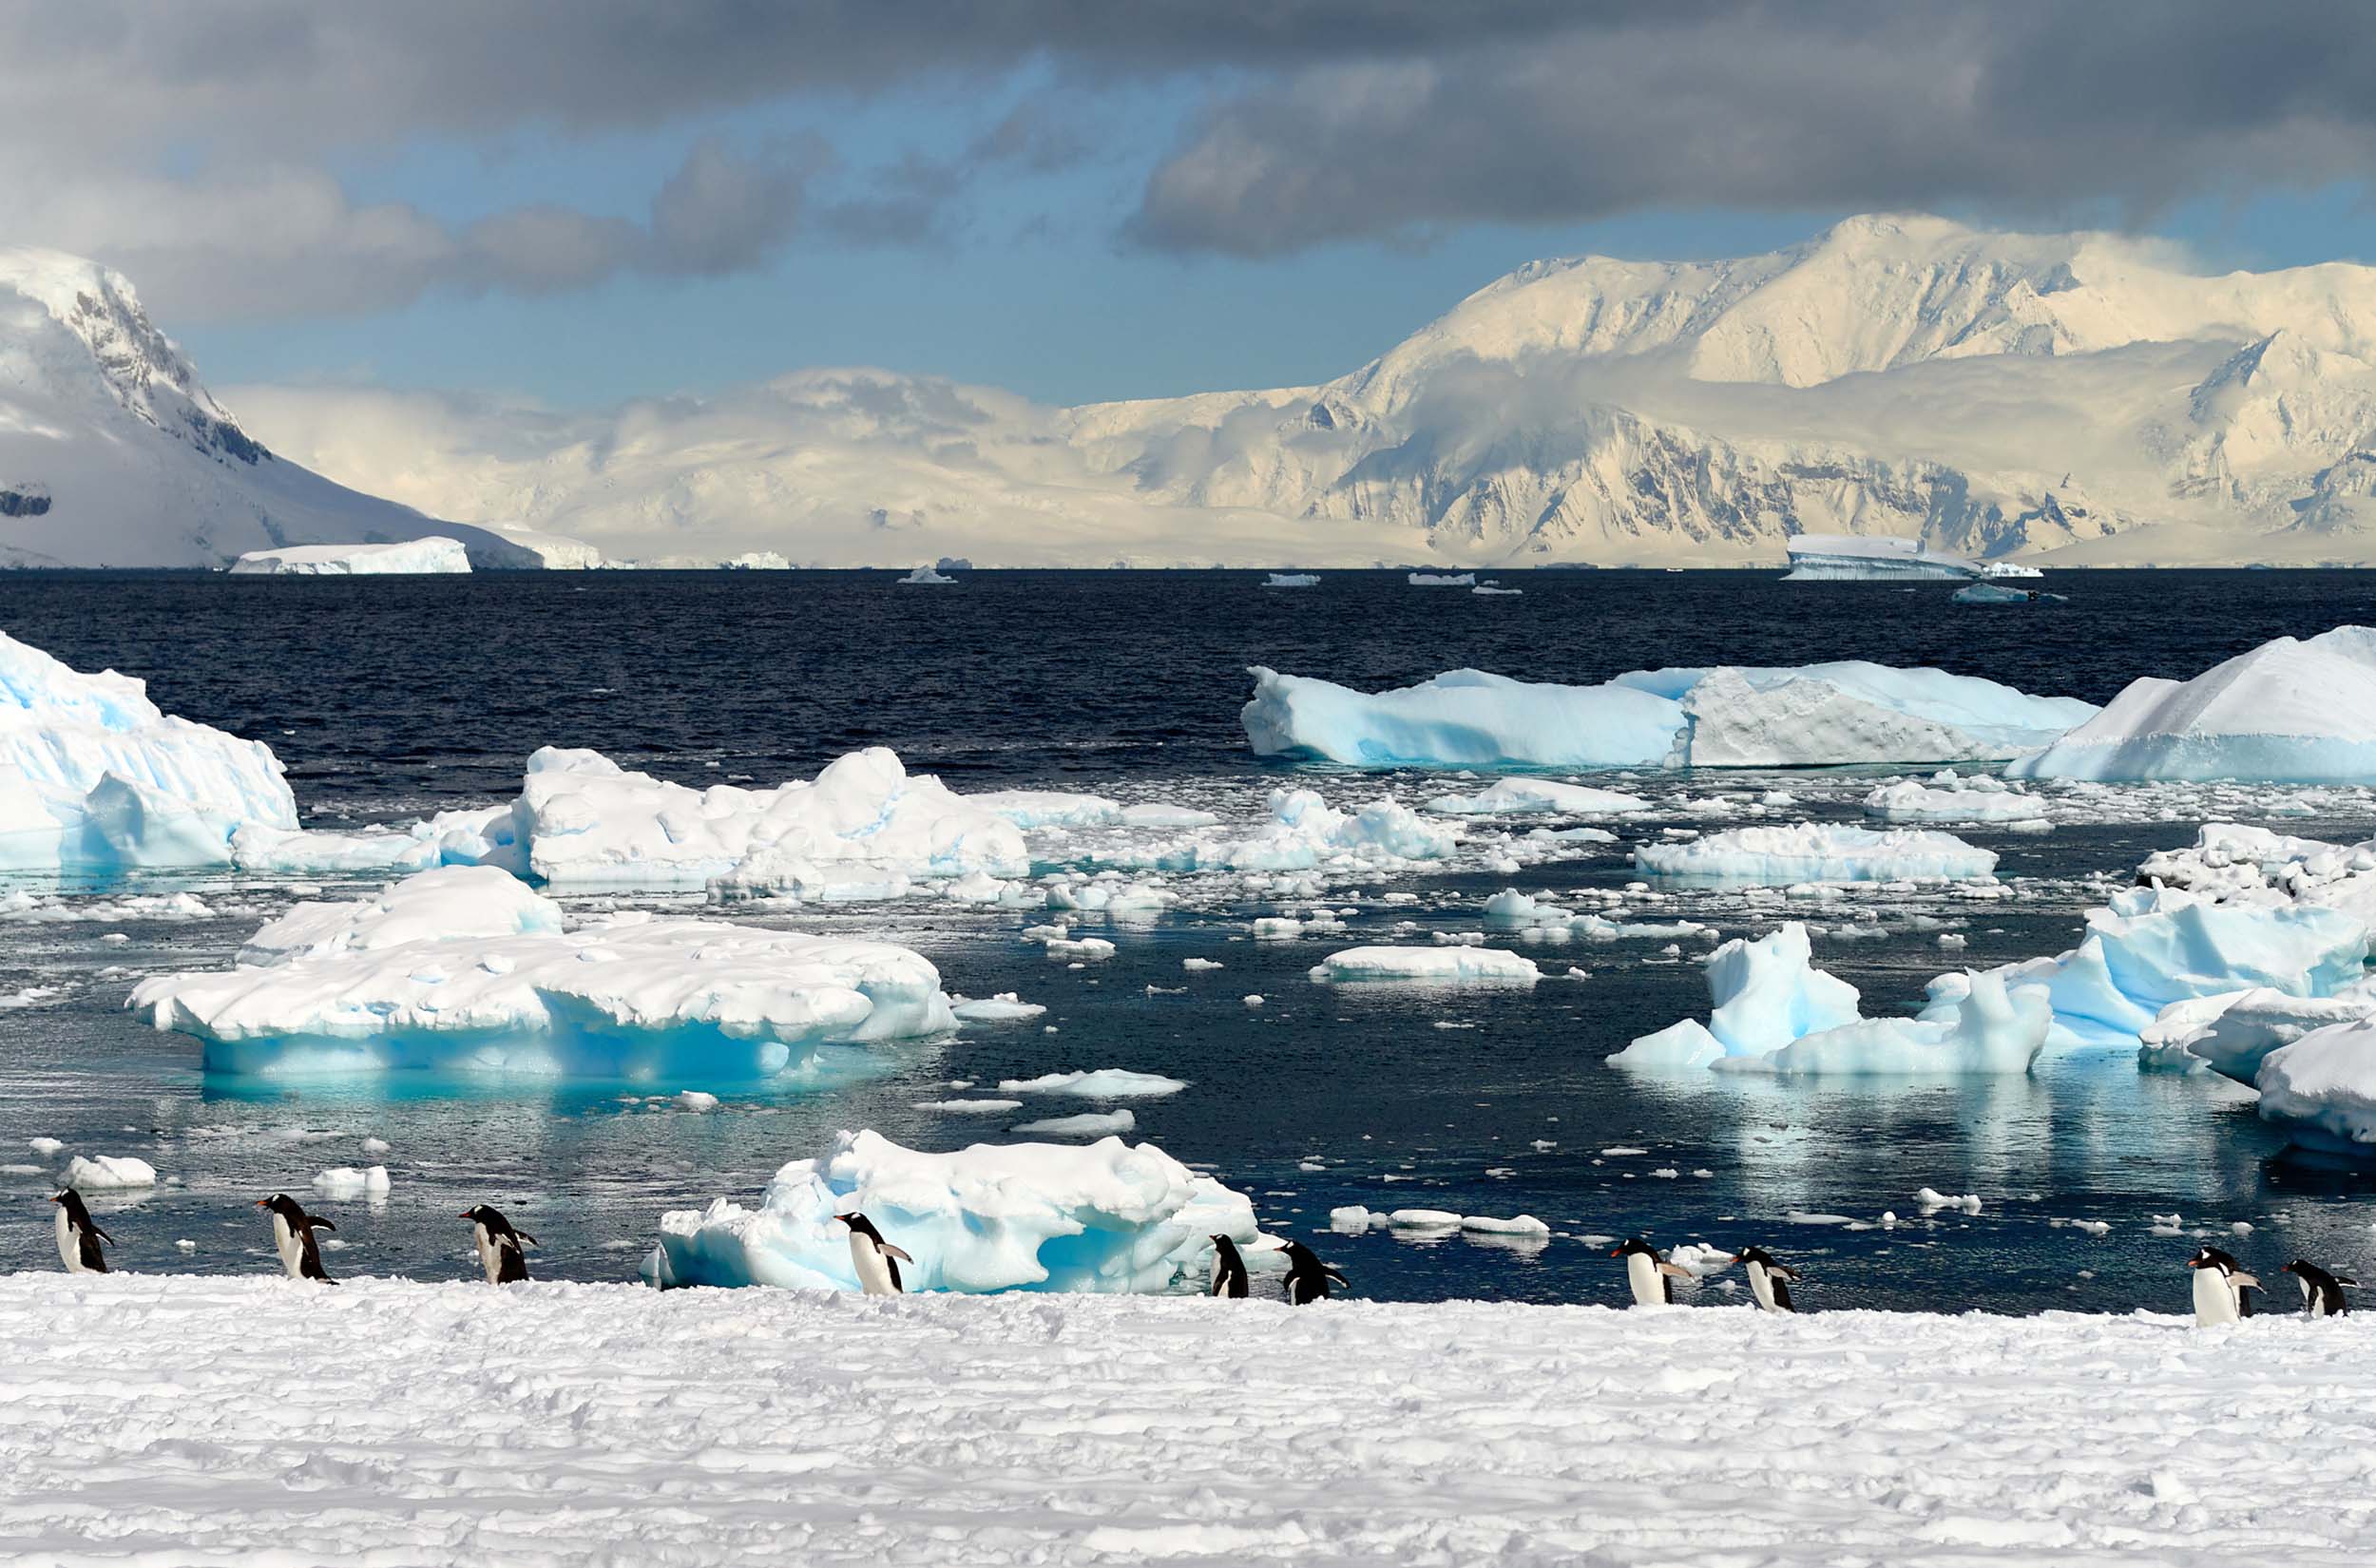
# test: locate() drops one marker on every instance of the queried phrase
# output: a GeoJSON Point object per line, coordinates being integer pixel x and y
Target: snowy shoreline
{"type": "Point", "coordinates": [553, 1424]}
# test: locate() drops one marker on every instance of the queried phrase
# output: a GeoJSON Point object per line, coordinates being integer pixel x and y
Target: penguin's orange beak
{"type": "Point", "coordinates": [264, 1203]}
{"type": "Point", "coordinates": [1616, 1251]}
{"type": "Point", "coordinates": [57, 1198]}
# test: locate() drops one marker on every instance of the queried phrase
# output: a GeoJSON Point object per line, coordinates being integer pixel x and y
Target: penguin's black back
{"type": "Point", "coordinates": [310, 1248]}
{"type": "Point", "coordinates": [511, 1264]}
{"type": "Point", "coordinates": [1228, 1271]}
{"type": "Point", "coordinates": [86, 1242]}
{"type": "Point", "coordinates": [1781, 1289]}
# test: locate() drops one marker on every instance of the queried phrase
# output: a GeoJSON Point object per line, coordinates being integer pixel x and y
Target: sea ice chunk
{"type": "Point", "coordinates": [1946, 797]}
{"type": "Point", "coordinates": [1518, 796]}
{"type": "Point", "coordinates": [1430, 967]}
{"type": "Point", "coordinates": [1104, 1083]}
{"type": "Point", "coordinates": [463, 969]}
{"type": "Point", "coordinates": [1029, 1216]}
{"type": "Point", "coordinates": [2298, 712]}
{"type": "Point", "coordinates": [2322, 1089]}
{"type": "Point", "coordinates": [1766, 993]}
{"type": "Point", "coordinates": [1778, 857]}
{"type": "Point", "coordinates": [346, 1182]}
{"type": "Point", "coordinates": [101, 1172]}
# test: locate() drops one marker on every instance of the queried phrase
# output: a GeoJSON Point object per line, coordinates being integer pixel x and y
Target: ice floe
{"type": "Point", "coordinates": [345, 1181]}
{"type": "Point", "coordinates": [1102, 1083]}
{"type": "Point", "coordinates": [104, 1173]}
{"type": "Point", "coordinates": [1947, 796]}
{"type": "Point", "coordinates": [1453, 966]}
{"type": "Point", "coordinates": [464, 969]}
{"type": "Point", "coordinates": [1526, 796]}
{"type": "Point", "coordinates": [1031, 1217]}
{"type": "Point", "coordinates": [1810, 852]}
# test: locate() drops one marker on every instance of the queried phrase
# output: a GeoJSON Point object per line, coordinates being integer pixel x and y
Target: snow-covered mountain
{"type": "Point", "coordinates": [2083, 396]}
{"type": "Point", "coordinates": [113, 453]}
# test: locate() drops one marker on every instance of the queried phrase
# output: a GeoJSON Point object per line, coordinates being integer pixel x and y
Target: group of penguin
{"type": "Point", "coordinates": [2222, 1288]}
{"type": "Point", "coordinates": [502, 1250]}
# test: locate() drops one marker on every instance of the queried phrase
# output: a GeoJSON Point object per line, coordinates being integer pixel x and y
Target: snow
{"type": "Point", "coordinates": [1034, 1217]}
{"type": "Point", "coordinates": [1776, 857]}
{"type": "Point", "coordinates": [2288, 710]}
{"type": "Point", "coordinates": [862, 824]}
{"type": "Point", "coordinates": [1528, 796]}
{"type": "Point", "coordinates": [1815, 715]}
{"type": "Point", "coordinates": [346, 1182]}
{"type": "Point", "coordinates": [104, 1173]}
{"type": "Point", "coordinates": [428, 555]}
{"type": "Point", "coordinates": [1102, 1083]}
{"type": "Point", "coordinates": [609, 1423]}
{"type": "Point", "coordinates": [465, 969]}
{"type": "Point", "coordinates": [93, 773]}
{"type": "Point", "coordinates": [1429, 967]}
{"type": "Point", "coordinates": [1833, 557]}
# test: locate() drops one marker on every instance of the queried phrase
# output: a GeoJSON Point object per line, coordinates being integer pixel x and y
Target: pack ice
{"type": "Point", "coordinates": [410, 557]}
{"type": "Point", "coordinates": [2288, 710]}
{"type": "Point", "coordinates": [1021, 1216]}
{"type": "Point", "coordinates": [465, 968]}
{"type": "Point", "coordinates": [1811, 852]}
{"type": "Point", "coordinates": [1811, 716]}
{"type": "Point", "coordinates": [92, 774]}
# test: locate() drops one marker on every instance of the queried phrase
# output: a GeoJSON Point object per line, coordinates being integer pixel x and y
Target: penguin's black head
{"type": "Point", "coordinates": [71, 1201]}
{"type": "Point", "coordinates": [1299, 1255]}
{"type": "Point", "coordinates": [481, 1215]}
{"type": "Point", "coordinates": [859, 1223]}
{"type": "Point", "coordinates": [283, 1205]}
{"type": "Point", "coordinates": [2212, 1257]}
{"type": "Point", "coordinates": [1758, 1256]}
{"type": "Point", "coordinates": [1634, 1245]}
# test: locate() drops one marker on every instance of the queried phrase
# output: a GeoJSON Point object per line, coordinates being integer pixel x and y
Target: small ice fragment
{"type": "Point", "coordinates": [695, 1099]}
{"type": "Point", "coordinates": [102, 1171]}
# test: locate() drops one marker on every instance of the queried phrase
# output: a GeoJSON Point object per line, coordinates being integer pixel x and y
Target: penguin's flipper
{"type": "Point", "coordinates": [526, 1239]}
{"type": "Point", "coordinates": [1781, 1291]}
{"type": "Point", "coordinates": [2244, 1282]}
{"type": "Point", "coordinates": [110, 1240]}
{"type": "Point", "coordinates": [92, 1259]}
{"type": "Point", "coordinates": [893, 1252]}
{"type": "Point", "coordinates": [317, 1223]}
{"type": "Point", "coordinates": [1783, 1271]}
{"type": "Point", "coordinates": [1339, 1278]}
{"type": "Point", "coordinates": [1673, 1271]}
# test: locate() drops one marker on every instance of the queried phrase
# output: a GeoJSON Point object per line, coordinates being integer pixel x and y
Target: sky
{"type": "Point", "coordinates": [580, 202]}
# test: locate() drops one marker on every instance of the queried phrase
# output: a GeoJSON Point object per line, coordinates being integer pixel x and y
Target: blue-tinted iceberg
{"type": "Point", "coordinates": [1025, 1216]}
{"type": "Point", "coordinates": [1811, 852]}
{"type": "Point", "coordinates": [92, 774]}
{"type": "Point", "coordinates": [1818, 716]}
{"type": "Point", "coordinates": [2288, 710]}
{"type": "Point", "coordinates": [466, 969]}
{"type": "Point", "coordinates": [2322, 1089]}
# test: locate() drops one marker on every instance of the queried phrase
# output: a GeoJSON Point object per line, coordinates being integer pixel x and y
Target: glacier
{"type": "Point", "coordinates": [430, 554]}
{"type": "Point", "coordinates": [1107, 1217]}
{"type": "Point", "coordinates": [467, 970]}
{"type": "Point", "coordinates": [1812, 715]}
{"type": "Point", "coordinates": [2288, 710]}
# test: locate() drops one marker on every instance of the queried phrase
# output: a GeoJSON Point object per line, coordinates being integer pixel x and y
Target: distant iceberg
{"type": "Point", "coordinates": [1991, 593]}
{"type": "Point", "coordinates": [2287, 711]}
{"type": "Point", "coordinates": [1292, 579]}
{"type": "Point", "coordinates": [1025, 1216]}
{"type": "Point", "coordinates": [466, 969]}
{"type": "Point", "coordinates": [1815, 715]}
{"type": "Point", "coordinates": [756, 561]}
{"type": "Point", "coordinates": [1826, 557]}
{"type": "Point", "coordinates": [413, 557]}
{"type": "Point", "coordinates": [924, 576]}
{"type": "Point", "coordinates": [1442, 580]}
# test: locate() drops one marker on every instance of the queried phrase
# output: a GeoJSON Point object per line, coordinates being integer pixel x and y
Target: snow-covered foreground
{"type": "Point", "coordinates": [202, 1421]}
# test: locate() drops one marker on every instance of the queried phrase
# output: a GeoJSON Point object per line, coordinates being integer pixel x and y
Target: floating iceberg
{"type": "Point", "coordinates": [1524, 796]}
{"type": "Point", "coordinates": [93, 775]}
{"type": "Point", "coordinates": [1818, 716]}
{"type": "Point", "coordinates": [1024, 1217]}
{"type": "Point", "coordinates": [756, 561]}
{"type": "Point", "coordinates": [1430, 967]}
{"type": "Point", "coordinates": [1832, 557]}
{"type": "Point", "coordinates": [925, 576]}
{"type": "Point", "coordinates": [2232, 1033]}
{"type": "Point", "coordinates": [109, 1172]}
{"type": "Point", "coordinates": [1775, 1013]}
{"type": "Point", "coordinates": [1305, 833]}
{"type": "Point", "coordinates": [1442, 580]}
{"type": "Point", "coordinates": [2232, 864]}
{"type": "Point", "coordinates": [2292, 712]}
{"type": "Point", "coordinates": [1990, 593]}
{"type": "Point", "coordinates": [1810, 852]}
{"type": "Point", "coordinates": [411, 558]}
{"type": "Point", "coordinates": [1946, 797]}
{"type": "Point", "coordinates": [466, 969]}
{"type": "Point", "coordinates": [1292, 579]}
{"type": "Point", "coordinates": [1102, 1083]}
{"type": "Point", "coordinates": [2322, 1089]}
{"type": "Point", "coordinates": [865, 822]}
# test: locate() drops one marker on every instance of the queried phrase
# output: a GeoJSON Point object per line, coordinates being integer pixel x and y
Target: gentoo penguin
{"type": "Point", "coordinates": [2219, 1288]}
{"type": "Point", "coordinates": [1652, 1276]}
{"type": "Point", "coordinates": [293, 1238]}
{"type": "Point", "coordinates": [876, 1260]}
{"type": "Point", "coordinates": [1307, 1276]}
{"type": "Point", "coordinates": [1229, 1271]}
{"type": "Point", "coordinates": [79, 1236]}
{"type": "Point", "coordinates": [1768, 1280]}
{"type": "Point", "coordinates": [502, 1250]}
{"type": "Point", "coordinates": [2322, 1293]}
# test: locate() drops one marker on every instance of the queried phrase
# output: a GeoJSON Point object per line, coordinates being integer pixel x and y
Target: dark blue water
{"type": "Point", "coordinates": [389, 698]}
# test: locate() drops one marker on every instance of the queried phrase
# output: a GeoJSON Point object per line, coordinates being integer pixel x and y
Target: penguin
{"type": "Point", "coordinates": [1768, 1280]}
{"type": "Point", "coordinates": [1307, 1276]}
{"type": "Point", "coordinates": [2219, 1288]}
{"type": "Point", "coordinates": [876, 1260]}
{"type": "Point", "coordinates": [1229, 1271]}
{"type": "Point", "coordinates": [79, 1236]}
{"type": "Point", "coordinates": [2322, 1293]}
{"type": "Point", "coordinates": [1652, 1276]}
{"type": "Point", "coordinates": [502, 1250]}
{"type": "Point", "coordinates": [293, 1238]}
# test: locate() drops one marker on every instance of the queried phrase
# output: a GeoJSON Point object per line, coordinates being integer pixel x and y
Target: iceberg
{"type": "Point", "coordinates": [1816, 716]}
{"type": "Point", "coordinates": [2233, 1032]}
{"type": "Point", "coordinates": [1292, 579]}
{"type": "Point", "coordinates": [1991, 593]}
{"type": "Point", "coordinates": [1429, 967]}
{"type": "Point", "coordinates": [756, 561]}
{"type": "Point", "coordinates": [1810, 852]}
{"type": "Point", "coordinates": [1442, 580]}
{"type": "Point", "coordinates": [92, 774]}
{"type": "Point", "coordinates": [410, 557]}
{"type": "Point", "coordinates": [1107, 1217]}
{"type": "Point", "coordinates": [1946, 797]}
{"type": "Point", "coordinates": [2232, 864]}
{"type": "Point", "coordinates": [466, 969]}
{"type": "Point", "coordinates": [2287, 711]}
{"type": "Point", "coordinates": [1305, 833]}
{"type": "Point", "coordinates": [864, 822]}
{"type": "Point", "coordinates": [109, 1172]}
{"type": "Point", "coordinates": [925, 576]}
{"type": "Point", "coordinates": [1765, 994]}
{"type": "Point", "coordinates": [1836, 557]}
{"type": "Point", "coordinates": [2322, 1089]}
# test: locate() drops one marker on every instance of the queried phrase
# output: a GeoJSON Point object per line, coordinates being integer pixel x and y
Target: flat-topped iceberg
{"type": "Point", "coordinates": [1025, 1216]}
{"type": "Point", "coordinates": [466, 969]}
{"type": "Point", "coordinates": [1774, 1012]}
{"type": "Point", "coordinates": [2322, 1089]}
{"type": "Point", "coordinates": [2292, 712]}
{"type": "Point", "coordinates": [864, 822]}
{"type": "Point", "coordinates": [1811, 852]}
{"type": "Point", "coordinates": [1430, 967]}
{"type": "Point", "coordinates": [92, 774]}
{"type": "Point", "coordinates": [1816, 716]}
{"type": "Point", "coordinates": [410, 557]}
{"type": "Point", "coordinates": [1836, 557]}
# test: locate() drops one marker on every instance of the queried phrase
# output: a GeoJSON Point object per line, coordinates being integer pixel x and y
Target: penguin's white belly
{"type": "Point", "coordinates": [292, 1250]}
{"type": "Point", "coordinates": [1761, 1287]}
{"type": "Point", "coordinates": [874, 1268]}
{"type": "Point", "coordinates": [69, 1247]}
{"type": "Point", "coordinates": [2214, 1298]}
{"type": "Point", "coordinates": [1212, 1286]}
{"type": "Point", "coordinates": [1641, 1272]}
{"type": "Point", "coordinates": [491, 1253]}
{"type": "Point", "coordinates": [2312, 1299]}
